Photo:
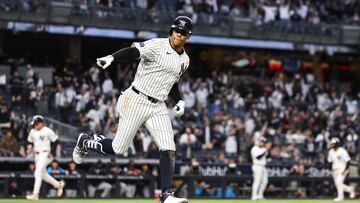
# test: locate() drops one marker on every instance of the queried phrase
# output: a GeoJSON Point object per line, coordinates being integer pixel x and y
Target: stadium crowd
{"type": "Point", "coordinates": [203, 11]}
{"type": "Point", "coordinates": [225, 115]}
{"type": "Point", "coordinates": [295, 111]}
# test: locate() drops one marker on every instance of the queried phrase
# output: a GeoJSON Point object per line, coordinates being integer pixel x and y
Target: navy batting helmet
{"type": "Point", "coordinates": [335, 141]}
{"type": "Point", "coordinates": [37, 119]}
{"type": "Point", "coordinates": [183, 23]}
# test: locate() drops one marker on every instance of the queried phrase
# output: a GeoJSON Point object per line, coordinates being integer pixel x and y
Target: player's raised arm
{"type": "Point", "coordinates": [126, 54]}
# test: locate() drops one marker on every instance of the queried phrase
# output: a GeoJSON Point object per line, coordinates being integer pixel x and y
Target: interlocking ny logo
{"type": "Point", "coordinates": [183, 68]}
{"type": "Point", "coordinates": [182, 23]}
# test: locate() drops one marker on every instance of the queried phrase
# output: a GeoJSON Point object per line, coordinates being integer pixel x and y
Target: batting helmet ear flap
{"type": "Point", "coordinates": [170, 31]}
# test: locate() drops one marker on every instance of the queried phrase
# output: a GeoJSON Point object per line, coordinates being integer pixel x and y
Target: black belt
{"type": "Point", "coordinates": [41, 152]}
{"type": "Point", "coordinates": [152, 99]}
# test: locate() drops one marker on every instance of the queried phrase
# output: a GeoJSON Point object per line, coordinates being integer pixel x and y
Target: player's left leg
{"type": "Point", "coordinates": [59, 185]}
{"type": "Point", "coordinates": [159, 126]}
{"type": "Point", "coordinates": [347, 188]}
{"type": "Point", "coordinates": [264, 182]}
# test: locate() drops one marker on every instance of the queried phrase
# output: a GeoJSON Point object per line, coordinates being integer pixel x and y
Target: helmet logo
{"type": "Point", "coordinates": [182, 23]}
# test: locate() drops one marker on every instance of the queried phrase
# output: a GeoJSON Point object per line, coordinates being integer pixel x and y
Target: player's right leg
{"type": "Point", "coordinates": [338, 180]}
{"type": "Point", "coordinates": [256, 182]}
{"type": "Point", "coordinates": [40, 163]}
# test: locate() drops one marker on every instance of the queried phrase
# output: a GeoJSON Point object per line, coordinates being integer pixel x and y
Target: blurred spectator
{"type": "Point", "coordinates": [8, 145]}
{"type": "Point", "coordinates": [71, 185]}
{"type": "Point", "coordinates": [187, 143]}
{"type": "Point", "coordinates": [95, 184]}
{"type": "Point", "coordinates": [16, 82]}
{"type": "Point", "coordinates": [14, 190]}
{"type": "Point", "coordinates": [194, 168]}
{"type": "Point", "coordinates": [54, 168]}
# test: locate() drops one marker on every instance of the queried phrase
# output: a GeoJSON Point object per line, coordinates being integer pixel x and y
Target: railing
{"type": "Point", "coordinates": [65, 13]}
{"type": "Point", "coordinates": [284, 190]}
{"type": "Point", "coordinates": [66, 132]}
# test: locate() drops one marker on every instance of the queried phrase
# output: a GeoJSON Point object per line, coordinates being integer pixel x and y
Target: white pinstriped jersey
{"type": "Point", "coordinates": [338, 158]}
{"type": "Point", "coordinates": [42, 138]}
{"type": "Point", "coordinates": [160, 67]}
{"type": "Point", "coordinates": [255, 152]}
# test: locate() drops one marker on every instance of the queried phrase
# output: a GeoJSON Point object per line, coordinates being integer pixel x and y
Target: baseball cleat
{"type": "Point", "coordinates": [338, 199]}
{"type": "Point", "coordinates": [60, 189]}
{"type": "Point", "coordinates": [168, 197]}
{"type": "Point", "coordinates": [80, 150]}
{"type": "Point", "coordinates": [32, 197]}
{"type": "Point", "coordinates": [352, 193]}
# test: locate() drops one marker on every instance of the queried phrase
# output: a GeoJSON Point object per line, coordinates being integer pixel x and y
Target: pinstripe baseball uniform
{"type": "Point", "coordinates": [41, 140]}
{"type": "Point", "coordinates": [339, 159]}
{"type": "Point", "coordinates": [260, 174]}
{"type": "Point", "coordinates": [143, 103]}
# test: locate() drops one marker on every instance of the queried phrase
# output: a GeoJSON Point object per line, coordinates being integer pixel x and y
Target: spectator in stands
{"type": "Point", "coordinates": [107, 85]}
{"type": "Point", "coordinates": [152, 153]}
{"type": "Point", "coordinates": [95, 184]}
{"type": "Point", "coordinates": [54, 168]}
{"type": "Point", "coordinates": [203, 190]}
{"type": "Point", "coordinates": [14, 190]}
{"type": "Point", "coordinates": [71, 184]}
{"type": "Point", "coordinates": [3, 82]}
{"type": "Point", "coordinates": [4, 113]}
{"type": "Point", "coordinates": [194, 168]}
{"type": "Point", "coordinates": [187, 143]}
{"type": "Point", "coordinates": [114, 169]}
{"type": "Point", "coordinates": [8, 145]}
{"type": "Point", "coordinates": [16, 82]}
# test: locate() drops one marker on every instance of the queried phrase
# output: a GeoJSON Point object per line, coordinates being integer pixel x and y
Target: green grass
{"type": "Point", "coordinates": [155, 201]}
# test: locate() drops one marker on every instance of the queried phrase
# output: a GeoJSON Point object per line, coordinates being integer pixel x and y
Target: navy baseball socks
{"type": "Point", "coordinates": [85, 143]}
{"type": "Point", "coordinates": [167, 166]}
{"type": "Point", "coordinates": [99, 144]}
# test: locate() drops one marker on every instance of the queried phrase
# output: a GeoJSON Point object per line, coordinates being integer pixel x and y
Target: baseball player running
{"type": "Point", "coordinates": [340, 160]}
{"type": "Point", "coordinates": [260, 174]}
{"type": "Point", "coordinates": [41, 136]}
{"type": "Point", "coordinates": [163, 61]}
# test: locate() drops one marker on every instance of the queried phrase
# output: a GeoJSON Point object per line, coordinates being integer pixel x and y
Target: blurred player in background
{"type": "Point", "coordinates": [340, 160]}
{"type": "Point", "coordinates": [41, 137]}
{"type": "Point", "coordinates": [260, 175]}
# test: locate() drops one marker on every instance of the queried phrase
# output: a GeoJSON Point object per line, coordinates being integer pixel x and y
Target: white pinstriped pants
{"type": "Point", "coordinates": [134, 111]}
{"type": "Point", "coordinates": [260, 181]}
{"type": "Point", "coordinates": [339, 179]}
{"type": "Point", "coordinates": [41, 161]}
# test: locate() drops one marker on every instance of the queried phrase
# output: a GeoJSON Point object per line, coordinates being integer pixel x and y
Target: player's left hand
{"type": "Point", "coordinates": [105, 61]}
{"type": "Point", "coordinates": [345, 172]}
{"type": "Point", "coordinates": [179, 108]}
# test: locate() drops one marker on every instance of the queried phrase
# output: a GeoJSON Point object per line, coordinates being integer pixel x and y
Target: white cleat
{"type": "Point", "coordinates": [80, 151]}
{"type": "Point", "coordinates": [338, 199]}
{"type": "Point", "coordinates": [60, 189]}
{"type": "Point", "coordinates": [352, 193]}
{"type": "Point", "coordinates": [32, 197]}
{"type": "Point", "coordinates": [168, 197]}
